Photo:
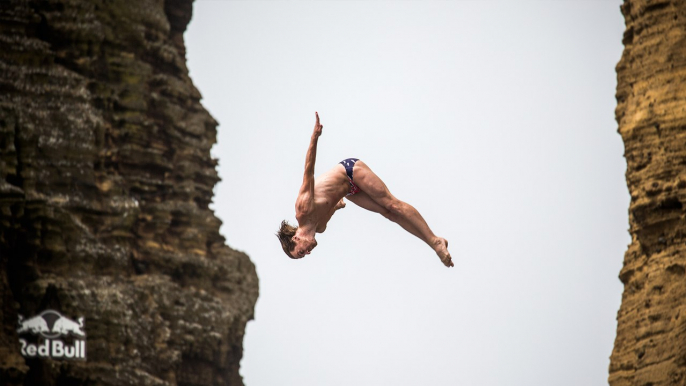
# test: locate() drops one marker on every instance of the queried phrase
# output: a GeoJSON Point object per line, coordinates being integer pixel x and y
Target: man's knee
{"type": "Point", "coordinates": [393, 210]}
{"type": "Point", "coordinates": [389, 215]}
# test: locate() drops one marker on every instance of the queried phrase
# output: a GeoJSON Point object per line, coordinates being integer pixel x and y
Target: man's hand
{"type": "Point", "coordinates": [340, 205]}
{"type": "Point", "coordinates": [317, 127]}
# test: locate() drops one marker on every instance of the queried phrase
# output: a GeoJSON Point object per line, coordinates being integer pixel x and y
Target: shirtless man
{"type": "Point", "coordinates": [319, 198]}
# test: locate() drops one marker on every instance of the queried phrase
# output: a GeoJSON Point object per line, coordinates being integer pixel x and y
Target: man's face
{"type": "Point", "coordinates": [302, 247]}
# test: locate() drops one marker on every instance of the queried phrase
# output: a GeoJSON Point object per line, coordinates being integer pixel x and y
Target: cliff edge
{"type": "Point", "coordinates": [105, 181]}
{"type": "Point", "coordinates": [650, 346]}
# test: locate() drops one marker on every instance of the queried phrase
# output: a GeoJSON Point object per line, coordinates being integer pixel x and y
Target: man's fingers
{"type": "Point", "coordinates": [317, 125]}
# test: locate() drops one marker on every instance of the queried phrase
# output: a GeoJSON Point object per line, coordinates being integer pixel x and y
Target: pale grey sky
{"type": "Point", "coordinates": [494, 119]}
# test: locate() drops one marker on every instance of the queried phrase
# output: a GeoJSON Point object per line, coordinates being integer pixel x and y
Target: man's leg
{"type": "Point", "coordinates": [398, 211]}
{"type": "Point", "coordinates": [363, 200]}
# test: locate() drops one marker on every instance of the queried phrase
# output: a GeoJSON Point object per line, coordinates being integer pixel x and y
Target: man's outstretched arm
{"type": "Point", "coordinates": [305, 201]}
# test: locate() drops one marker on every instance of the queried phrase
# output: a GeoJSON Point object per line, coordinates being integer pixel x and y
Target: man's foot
{"type": "Point", "coordinates": [441, 248]}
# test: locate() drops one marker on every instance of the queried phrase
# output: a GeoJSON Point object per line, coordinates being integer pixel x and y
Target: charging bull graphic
{"type": "Point", "coordinates": [50, 325]}
{"type": "Point", "coordinates": [65, 326]}
{"type": "Point", "coordinates": [35, 325]}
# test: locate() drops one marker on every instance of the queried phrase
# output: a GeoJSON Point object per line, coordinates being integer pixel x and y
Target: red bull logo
{"type": "Point", "coordinates": [57, 337]}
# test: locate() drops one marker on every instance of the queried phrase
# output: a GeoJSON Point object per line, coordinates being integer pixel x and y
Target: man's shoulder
{"type": "Point", "coordinates": [304, 204]}
{"type": "Point", "coordinates": [303, 213]}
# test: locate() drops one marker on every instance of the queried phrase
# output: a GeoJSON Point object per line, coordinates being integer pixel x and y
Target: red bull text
{"type": "Point", "coordinates": [55, 349]}
{"type": "Point", "coordinates": [50, 329]}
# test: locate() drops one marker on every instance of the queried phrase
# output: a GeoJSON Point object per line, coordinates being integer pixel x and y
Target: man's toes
{"type": "Point", "coordinates": [449, 260]}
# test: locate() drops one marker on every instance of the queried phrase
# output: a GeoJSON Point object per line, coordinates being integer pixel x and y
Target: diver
{"type": "Point", "coordinates": [319, 198]}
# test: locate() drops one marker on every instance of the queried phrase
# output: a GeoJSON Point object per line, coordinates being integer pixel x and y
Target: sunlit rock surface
{"type": "Point", "coordinates": [650, 347]}
{"type": "Point", "coordinates": [105, 181]}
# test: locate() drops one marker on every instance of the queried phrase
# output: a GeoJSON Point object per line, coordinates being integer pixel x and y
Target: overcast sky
{"type": "Point", "coordinates": [494, 119]}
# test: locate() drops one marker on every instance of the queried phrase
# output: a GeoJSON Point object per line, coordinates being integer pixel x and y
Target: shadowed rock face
{"type": "Point", "coordinates": [650, 347]}
{"type": "Point", "coordinates": [105, 182]}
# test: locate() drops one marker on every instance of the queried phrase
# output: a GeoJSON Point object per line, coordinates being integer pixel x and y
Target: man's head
{"type": "Point", "coordinates": [295, 246]}
{"type": "Point", "coordinates": [285, 235]}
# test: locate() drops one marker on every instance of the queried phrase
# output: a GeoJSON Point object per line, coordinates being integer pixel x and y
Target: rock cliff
{"type": "Point", "coordinates": [650, 347]}
{"type": "Point", "coordinates": [105, 181]}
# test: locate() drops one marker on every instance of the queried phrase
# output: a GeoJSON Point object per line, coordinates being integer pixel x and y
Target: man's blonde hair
{"type": "Point", "coordinates": [285, 235]}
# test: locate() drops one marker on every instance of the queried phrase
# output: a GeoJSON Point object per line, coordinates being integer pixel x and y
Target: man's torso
{"type": "Point", "coordinates": [329, 188]}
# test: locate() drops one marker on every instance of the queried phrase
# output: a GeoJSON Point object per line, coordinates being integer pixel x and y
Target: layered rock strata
{"type": "Point", "coordinates": [105, 181]}
{"type": "Point", "coordinates": [650, 346]}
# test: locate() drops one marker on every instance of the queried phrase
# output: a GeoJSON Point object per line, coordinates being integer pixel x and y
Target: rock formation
{"type": "Point", "coordinates": [105, 182]}
{"type": "Point", "coordinates": [650, 347]}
